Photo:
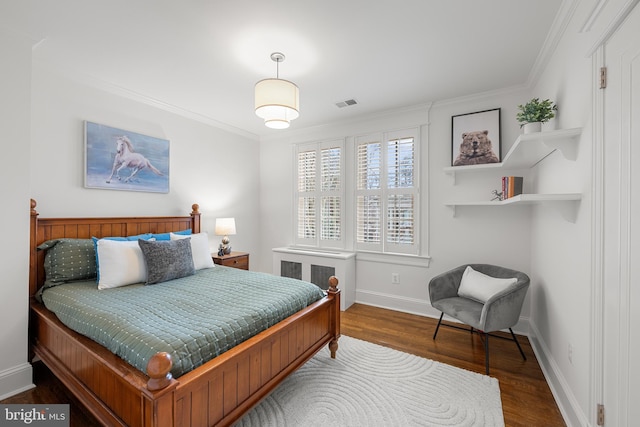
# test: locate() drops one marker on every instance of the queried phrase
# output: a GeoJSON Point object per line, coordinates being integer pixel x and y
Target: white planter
{"type": "Point", "coordinates": [532, 127]}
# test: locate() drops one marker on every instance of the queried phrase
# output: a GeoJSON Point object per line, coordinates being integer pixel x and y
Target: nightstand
{"type": "Point", "coordinates": [234, 259]}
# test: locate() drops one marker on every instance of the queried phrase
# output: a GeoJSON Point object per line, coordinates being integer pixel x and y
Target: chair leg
{"type": "Point", "coordinates": [486, 353]}
{"type": "Point", "coordinates": [518, 344]}
{"type": "Point", "coordinates": [438, 327]}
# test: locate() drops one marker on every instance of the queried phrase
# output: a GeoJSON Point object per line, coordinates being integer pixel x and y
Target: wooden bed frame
{"type": "Point", "coordinates": [217, 393]}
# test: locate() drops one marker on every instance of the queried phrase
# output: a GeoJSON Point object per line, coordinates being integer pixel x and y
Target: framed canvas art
{"type": "Point", "coordinates": [475, 138]}
{"type": "Point", "coordinates": [117, 159]}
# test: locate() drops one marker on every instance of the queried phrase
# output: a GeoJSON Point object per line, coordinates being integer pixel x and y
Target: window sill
{"type": "Point", "coordinates": [392, 258]}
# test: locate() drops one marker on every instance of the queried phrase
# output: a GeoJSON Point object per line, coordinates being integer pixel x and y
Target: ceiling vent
{"type": "Point", "coordinates": [346, 103]}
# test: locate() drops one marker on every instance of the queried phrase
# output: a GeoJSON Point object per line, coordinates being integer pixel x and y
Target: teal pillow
{"type": "Point", "coordinates": [167, 236]}
{"type": "Point", "coordinates": [69, 260]}
{"type": "Point", "coordinates": [167, 260]}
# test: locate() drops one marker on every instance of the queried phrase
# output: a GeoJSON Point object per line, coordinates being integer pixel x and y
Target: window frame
{"type": "Point", "coordinates": [318, 193]}
{"type": "Point", "coordinates": [385, 247]}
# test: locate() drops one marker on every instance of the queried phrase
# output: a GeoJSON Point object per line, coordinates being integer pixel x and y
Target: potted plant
{"type": "Point", "coordinates": [535, 112]}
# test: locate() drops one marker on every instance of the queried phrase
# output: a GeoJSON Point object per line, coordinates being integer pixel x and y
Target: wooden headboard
{"type": "Point", "coordinates": [43, 229]}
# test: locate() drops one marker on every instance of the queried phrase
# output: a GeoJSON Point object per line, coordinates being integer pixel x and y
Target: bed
{"type": "Point", "coordinates": [217, 392]}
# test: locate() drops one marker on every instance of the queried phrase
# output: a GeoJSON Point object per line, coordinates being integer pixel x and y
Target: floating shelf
{"type": "Point", "coordinates": [529, 149]}
{"type": "Point", "coordinates": [567, 202]}
{"type": "Point", "coordinates": [521, 199]}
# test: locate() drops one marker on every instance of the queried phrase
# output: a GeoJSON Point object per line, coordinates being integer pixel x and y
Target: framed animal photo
{"type": "Point", "coordinates": [475, 138]}
{"type": "Point", "coordinates": [117, 159]}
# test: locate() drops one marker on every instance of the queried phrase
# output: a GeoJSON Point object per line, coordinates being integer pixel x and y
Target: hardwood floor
{"type": "Point", "coordinates": [526, 398]}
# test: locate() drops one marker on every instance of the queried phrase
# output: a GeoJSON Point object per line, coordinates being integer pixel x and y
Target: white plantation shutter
{"type": "Point", "coordinates": [320, 194]}
{"type": "Point", "coordinates": [383, 204]}
{"type": "Point", "coordinates": [306, 196]}
{"type": "Point", "coordinates": [306, 217]}
{"type": "Point", "coordinates": [386, 192]}
{"type": "Point", "coordinates": [330, 218]}
{"type": "Point", "coordinates": [400, 225]}
{"type": "Point", "coordinates": [369, 217]}
{"type": "Point", "coordinates": [331, 171]}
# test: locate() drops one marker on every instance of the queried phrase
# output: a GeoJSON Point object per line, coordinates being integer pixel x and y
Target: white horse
{"type": "Point", "coordinates": [126, 157]}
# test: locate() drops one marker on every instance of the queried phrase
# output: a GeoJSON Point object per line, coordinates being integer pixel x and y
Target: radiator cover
{"type": "Point", "coordinates": [316, 266]}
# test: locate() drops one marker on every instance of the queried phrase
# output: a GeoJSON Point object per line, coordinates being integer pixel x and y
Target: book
{"type": "Point", "coordinates": [504, 188]}
{"type": "Point", "coordinates": [514, 186]}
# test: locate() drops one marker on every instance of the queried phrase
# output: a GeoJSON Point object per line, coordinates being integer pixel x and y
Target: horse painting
{"type": "Point", "coordinates": [126, 157]}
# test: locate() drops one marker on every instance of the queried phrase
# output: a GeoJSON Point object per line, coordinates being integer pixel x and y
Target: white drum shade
{"type": "Point", "coordinates": [277, 102]}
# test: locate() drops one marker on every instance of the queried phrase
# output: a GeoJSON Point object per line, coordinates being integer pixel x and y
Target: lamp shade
{"type": "Point", "coordinates": [277, 102]}
{"type": "Point", "coordinates": [225, 226]}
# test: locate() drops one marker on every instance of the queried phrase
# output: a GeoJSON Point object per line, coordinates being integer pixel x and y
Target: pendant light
{"type": "Point", "coordinates": [277, 100]}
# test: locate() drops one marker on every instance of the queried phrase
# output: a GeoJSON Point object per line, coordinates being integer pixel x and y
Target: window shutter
{"type": "Point", "coordinates": [306, 171]}
{"type": "Point", "coordinates": [400, 163]}
{"type": "Point", "coordinates": [306, 217]}
{"type": "Point", "coordinates": [369, 218]}
{"type": "Point", "coordinates": [386, 192]}
{"type": "Point", "coordinates": [331, 172]}
{"type": "Point", "coordinates": [319, 191]}
{"type": "Point", "coordinates": [400, 220]}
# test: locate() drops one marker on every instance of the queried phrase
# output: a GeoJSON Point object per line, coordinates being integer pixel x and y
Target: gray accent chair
{"type": "Point", "coordinates": [501, 311]}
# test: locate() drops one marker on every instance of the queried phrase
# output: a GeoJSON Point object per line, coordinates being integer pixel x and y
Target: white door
{"type": "Point", "coordinates": [621, 197]}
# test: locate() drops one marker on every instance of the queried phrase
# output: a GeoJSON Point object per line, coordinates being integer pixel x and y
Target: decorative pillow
{"type": "Point", "coordinates": [480, 287]}
{"type": "Point", "coordinates": [167, 260]}
{"type": "Point", "coordinates": [199, 249]}
{"type": "Point", "coordinates": [68, 260]}
{"type": "Point", "coordinates": [167, 236]}
{"type": "Point", "coordinates": [120, 263]}
{"type": "Point", "coordinates": [144, 236]}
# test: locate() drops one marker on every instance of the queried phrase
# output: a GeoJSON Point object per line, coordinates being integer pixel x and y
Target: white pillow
{"type": "Point", "coordinates": [199, 249]}
{"type": "Point", "coordinates": [480, 287]}
{"type": "Point", "coordinates": [120, 262]}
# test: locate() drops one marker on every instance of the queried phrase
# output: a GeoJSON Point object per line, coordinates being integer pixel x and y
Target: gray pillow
{"type": "Point", "coordinates": [68, 260]}
{"type": "Point", "coordinates": [167, 259]}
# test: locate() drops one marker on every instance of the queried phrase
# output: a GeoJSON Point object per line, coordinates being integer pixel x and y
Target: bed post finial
{"type": "Point", "coordinates": [33, 207]}
{"type": "Point", "coordinates": [158, 369]}
{"type": "Point", "coordinates": [195, 218]}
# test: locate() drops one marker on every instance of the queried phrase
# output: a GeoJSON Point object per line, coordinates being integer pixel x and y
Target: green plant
{"type": "Point", "coordinates": [536, 111]}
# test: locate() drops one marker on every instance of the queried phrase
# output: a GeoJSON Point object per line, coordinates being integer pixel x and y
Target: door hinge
{"type": "Point", "coordinates": [600, 420]}
{"type": "Point", "coordinates": [603, 77]}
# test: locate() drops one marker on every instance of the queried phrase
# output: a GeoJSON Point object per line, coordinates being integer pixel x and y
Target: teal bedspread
{"type": "Point", "coordinates": [194, 318]}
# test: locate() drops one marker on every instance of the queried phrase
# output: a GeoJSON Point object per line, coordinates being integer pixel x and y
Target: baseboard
{"type": "Point", "coordinates": [562, 393]}
{"type": "Point", "coordinates": [419, 307]}
{"type": "Point", "coordinates": [397, 303]}
{"type": "Point", "coordinates": [16, 380]}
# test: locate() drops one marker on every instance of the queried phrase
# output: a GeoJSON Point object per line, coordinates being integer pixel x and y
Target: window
{"type": "Point", "coordinates": [387, 192]}
{"type": "Point", "coordinates": [384, 212]}
{"type": "Point", "coordinates": [319, 194]}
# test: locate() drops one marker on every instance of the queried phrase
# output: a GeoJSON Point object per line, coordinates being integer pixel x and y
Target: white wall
{"type": "Point", "coordinates": [15, 371]}
{"type": "Point", "coordinates": [475, 234]}
{"type": "Point", "coordinates": [561, 305]}
{"type": "Point", "coordinates": [216, 169]}
{"type": "Point", "coordinates": [42, 124]}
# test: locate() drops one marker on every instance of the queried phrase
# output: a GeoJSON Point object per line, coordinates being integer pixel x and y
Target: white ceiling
{"type": "Point", "coordinates": [204, 57]}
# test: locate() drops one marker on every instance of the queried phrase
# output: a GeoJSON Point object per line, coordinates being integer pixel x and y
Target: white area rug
{"type": "Point", "coordinates": [370, 385]}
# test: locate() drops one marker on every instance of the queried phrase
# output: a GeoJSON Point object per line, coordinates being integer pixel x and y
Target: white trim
{"type": "Point", "coordinates": [596, 367]}
{"type": "Point", "coordinates": [560, 388]}
{"type": "Point", "coordinates": [417, 306]}
{"type": "Point", "coordinates": [393, 258]}
{"type": "Point", "coordinates": [16, 380]}
{"type": "Point", "coordinates": [147, 100]}
{"type": "Point", "coordinates": [613, 26]}
{"type": "Point", "coordinates": [554, 35]}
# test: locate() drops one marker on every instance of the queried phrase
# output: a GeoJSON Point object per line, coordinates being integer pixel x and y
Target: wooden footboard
{"type": "Point", "coordinates": [217, 393]}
